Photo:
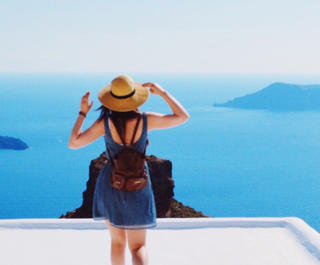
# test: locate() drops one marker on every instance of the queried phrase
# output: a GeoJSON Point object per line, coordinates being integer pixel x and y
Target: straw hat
{"type": "Point", "coordinates": [123, 94]}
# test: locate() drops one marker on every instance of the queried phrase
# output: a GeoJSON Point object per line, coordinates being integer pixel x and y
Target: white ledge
{"type": "Point", "coordinates": [162, 223]}
{"type": "Point", "coordinates": [261, 240]}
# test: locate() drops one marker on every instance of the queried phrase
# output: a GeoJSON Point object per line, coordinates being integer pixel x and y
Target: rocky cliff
{"type": "Point", "coordinates": [162, 185]}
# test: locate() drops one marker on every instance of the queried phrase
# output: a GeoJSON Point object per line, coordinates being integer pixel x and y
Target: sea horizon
{"type": "Point", "coordinates": [250, 162]}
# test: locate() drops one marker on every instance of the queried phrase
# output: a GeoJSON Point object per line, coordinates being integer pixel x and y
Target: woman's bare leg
{"type": "Point", "coordinates": [118, 244]}
{"type": "Point", "coordinates": [137, 246]}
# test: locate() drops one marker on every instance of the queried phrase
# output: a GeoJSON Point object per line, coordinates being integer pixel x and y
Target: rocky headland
{"type": "Point", "coordinates": [12, 143]}
{"type": "Point", "coordinates": [162, 185]}
{"type": "Point", "coordinates": [279, 97]}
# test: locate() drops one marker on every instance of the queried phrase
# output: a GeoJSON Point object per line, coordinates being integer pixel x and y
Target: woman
{"type": "Point", "coordinates": [127, 213]}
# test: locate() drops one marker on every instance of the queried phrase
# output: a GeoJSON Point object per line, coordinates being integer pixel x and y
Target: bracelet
{"type": "Point", "coordinates": [82, 113]}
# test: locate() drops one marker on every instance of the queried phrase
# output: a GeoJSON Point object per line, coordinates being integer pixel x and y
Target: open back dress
{"type": "Point", "coordinates": [124, 209]}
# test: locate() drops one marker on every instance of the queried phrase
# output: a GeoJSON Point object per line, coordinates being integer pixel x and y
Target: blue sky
{"type": "Point", "coordinates": [160, 36]}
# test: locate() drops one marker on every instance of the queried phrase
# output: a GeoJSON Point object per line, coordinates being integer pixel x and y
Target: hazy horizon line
{"type": "Point", "coordinates": [159, 72]}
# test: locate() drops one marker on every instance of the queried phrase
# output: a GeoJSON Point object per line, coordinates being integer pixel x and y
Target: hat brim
{"type": "Point", "coordinates": [126, 104]}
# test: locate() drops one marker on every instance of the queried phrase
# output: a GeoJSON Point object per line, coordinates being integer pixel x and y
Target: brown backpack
{"type": "Point", "coordinates": [128, 166]}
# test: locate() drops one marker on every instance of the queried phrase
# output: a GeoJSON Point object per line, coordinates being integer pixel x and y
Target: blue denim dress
{"type": "Point", "coordinates": [124, 209]}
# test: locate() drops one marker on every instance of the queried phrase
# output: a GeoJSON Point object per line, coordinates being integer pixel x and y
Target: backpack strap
{"type": "Point", "coordinates": [145, 147]}
{"type": "Point", "coordinates": [110, 157]}
{"type": "Point", "coordinates": [135, 129]}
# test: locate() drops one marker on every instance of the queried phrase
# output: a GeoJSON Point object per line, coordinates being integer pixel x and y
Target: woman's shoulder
{"type": "Point", "coordinates": [153, 120]}
{"type": "Point", "coordinates": [98, 126]}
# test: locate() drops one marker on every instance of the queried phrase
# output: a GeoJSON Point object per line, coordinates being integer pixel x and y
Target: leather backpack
{"type": "Point", "coordinates": [128, 165]}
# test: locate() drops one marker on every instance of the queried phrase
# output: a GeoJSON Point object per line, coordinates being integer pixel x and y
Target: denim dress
{"type": "Point", "coordinates": [124, 209]}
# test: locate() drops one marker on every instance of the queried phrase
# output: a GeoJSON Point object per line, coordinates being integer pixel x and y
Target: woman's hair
{"type": "Point", "coordinates": [118, 118]}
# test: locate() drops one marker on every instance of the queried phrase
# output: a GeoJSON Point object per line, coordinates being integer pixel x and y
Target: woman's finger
{"type": "Point", "coordinates": [86, 95]}
{"type": "Point", "coordinates": [148, 84]}
{"type": "Point", "coordinates": [152, 90]}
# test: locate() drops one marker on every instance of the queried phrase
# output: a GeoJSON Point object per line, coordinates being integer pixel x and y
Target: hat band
{"type": "Point", "coordinates": [123, 97]}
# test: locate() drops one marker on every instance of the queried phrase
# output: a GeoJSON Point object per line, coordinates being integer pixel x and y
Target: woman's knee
{"type": "Point", "coordinates": [134, 248]}
{"type": "Point", "coordinates": [136, 240]}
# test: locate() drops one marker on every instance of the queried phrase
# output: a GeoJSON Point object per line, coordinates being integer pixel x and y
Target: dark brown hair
{"type": "Point", "coordinates": [118, 118]}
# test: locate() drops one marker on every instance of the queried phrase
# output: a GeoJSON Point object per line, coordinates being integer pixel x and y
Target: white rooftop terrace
{"type": "Point", "coordinates": [221, 241]}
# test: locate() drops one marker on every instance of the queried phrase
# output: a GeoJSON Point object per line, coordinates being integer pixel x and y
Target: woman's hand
{"type": "Point", "coordinates": [85, 106]}
{"type": "Point", "coordinates": [154, 88]}
{"type": "Point", "coordinates": [163, 121]}
{"type": "Point", "coordinates": [79, 139]}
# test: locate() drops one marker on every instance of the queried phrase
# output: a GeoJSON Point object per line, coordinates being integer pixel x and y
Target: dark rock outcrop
{"type": "Point", "coordinates": [177, 209]}
{"type": "Point", "coordinates": [162, 185]}
{"type": "Point", "coordinates": [7, 142]}
{"type": "Point", "coordinates": [279, 97]}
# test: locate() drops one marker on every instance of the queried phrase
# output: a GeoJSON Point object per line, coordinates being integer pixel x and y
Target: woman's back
{"type": "Point", "coordinates": [112, 137]}
{"type": "Point", "coordinates": [129, 130]}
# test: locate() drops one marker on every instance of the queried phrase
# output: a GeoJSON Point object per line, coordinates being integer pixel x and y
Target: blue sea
{"type": "Point", "coordinates": [226, 162]}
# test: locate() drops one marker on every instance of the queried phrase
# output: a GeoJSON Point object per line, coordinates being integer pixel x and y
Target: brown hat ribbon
{"type": "Point", "coordinates": [122, 97]}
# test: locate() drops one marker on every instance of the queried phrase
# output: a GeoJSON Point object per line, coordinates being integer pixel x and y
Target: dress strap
{"type": "Point", "coordinates": [145, 130]}
{"type": "Point", "coordinates": [107, 135]}
{"type": "Point", "coordinates": [145, 123]}
{"type": "Point", "coordinates": [135, 129]}
{"type": "Point", "coordinates": [106, 126]}
{"type": "Point", "coordinates": [108, 132]}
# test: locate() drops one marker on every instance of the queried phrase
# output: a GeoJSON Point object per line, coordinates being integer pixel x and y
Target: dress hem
{"type": "Point", "coordinates": [128, 227]}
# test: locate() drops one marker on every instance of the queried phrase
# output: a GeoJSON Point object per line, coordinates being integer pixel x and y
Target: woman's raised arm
{"type": "Point", "coordinates": [163, 121]}
{"type": "Point", "coordinates": [80, 139]}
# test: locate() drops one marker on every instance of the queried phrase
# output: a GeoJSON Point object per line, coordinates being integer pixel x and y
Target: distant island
{"type": "Point", "coordinates": [12, 143]}
{"type": "Point", "coordinates": [279, 97]}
